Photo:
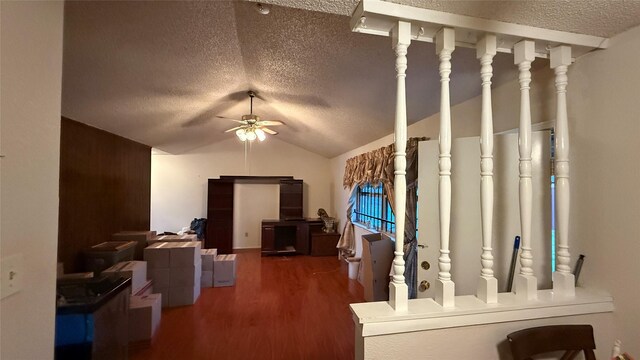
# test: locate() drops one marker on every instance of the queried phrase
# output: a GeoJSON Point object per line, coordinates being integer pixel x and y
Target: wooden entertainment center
{"type": "Point", "coordinates": [291, 234]}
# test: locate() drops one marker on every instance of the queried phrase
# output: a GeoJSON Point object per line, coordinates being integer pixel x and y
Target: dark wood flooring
{"type": "Point", "coordinates": [280, 308]}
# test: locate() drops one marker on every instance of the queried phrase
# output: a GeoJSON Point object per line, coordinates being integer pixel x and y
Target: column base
{"type": "Point", "coordinates": [445, 293]}
{"type": "Point", "coordinates": [488, 290]}
{"type": "Point", "coordinates": [526, 287]}
{"type": "Point", "coordinates": [564, 284]}
{"type": "Point", "coordinates": [399, 296]}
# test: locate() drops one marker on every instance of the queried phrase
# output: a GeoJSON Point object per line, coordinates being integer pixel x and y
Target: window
{"type": "Point", "coordinates": [373, 209]}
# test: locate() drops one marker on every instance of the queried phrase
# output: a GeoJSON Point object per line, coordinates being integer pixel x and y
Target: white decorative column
{"type": "Point", "coordinates": [487, 284]}
{"type": "Point", "coordinates": [444, 286]}
{"type": "Point", "coordinates": [525, 283]}
{"type": "Point", "coordinates": [398, 290]}
{"type": "Point", "coordinates": [563, 279]}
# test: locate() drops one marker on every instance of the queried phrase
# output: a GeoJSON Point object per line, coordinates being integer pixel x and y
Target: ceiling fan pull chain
{"type": "Point", "coordinates": [245, 156]}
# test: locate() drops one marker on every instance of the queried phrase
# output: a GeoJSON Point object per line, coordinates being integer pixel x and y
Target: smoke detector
{"type": "Point", "coordinates": [262, 8]}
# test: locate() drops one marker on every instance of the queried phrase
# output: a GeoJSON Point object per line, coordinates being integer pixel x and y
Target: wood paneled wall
{"type": "Point", "coordinates": [105, 187]}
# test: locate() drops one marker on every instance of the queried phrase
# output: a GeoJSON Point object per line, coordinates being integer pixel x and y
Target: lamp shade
{"type": "Point", "coordinates": [250, 134]}
{"type": "Point", "coordinates": [260, 134]}
{"type": "Point", "coordinates": [241, 134]}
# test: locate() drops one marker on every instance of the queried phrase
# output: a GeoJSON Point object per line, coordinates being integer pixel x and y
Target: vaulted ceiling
{"type": "Point", "coordinates": [160, 72]}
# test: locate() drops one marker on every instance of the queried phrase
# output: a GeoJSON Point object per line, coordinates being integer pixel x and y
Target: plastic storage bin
{"type": "Point", "coordinates": [107, 254]}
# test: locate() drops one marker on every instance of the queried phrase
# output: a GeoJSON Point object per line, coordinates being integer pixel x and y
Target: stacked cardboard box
{"type": "Point", "coordinates": [146, 289]}
{"type": "Point", "coordinates": [144, 316]}
{"type": "Point", "coordinates": [176, 269]}
{"type": "Point", "coordinates": [173, 238]}
{"type": "Point", "coordinates": [140, 237]}
{"type": "Point", "coordinates": [144, 306]}
{"type": "Point", "coordinates": [208, 256]}
{"type": "Point", "coordinates": [157, 257]}
{"type": "Point", "coordinates": [136, 270]}
{"type": "Point", "coordinates": [224, 270]}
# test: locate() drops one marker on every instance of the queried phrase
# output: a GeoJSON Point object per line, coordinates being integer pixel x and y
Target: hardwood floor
{"type": "Point", "coordinates": [280, 308]}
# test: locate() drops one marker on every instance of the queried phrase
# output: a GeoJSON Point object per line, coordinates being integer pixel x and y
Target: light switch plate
{"type": "Point", "coordinates": [11, 271]}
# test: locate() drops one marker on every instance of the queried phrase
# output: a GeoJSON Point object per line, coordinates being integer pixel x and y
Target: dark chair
{"type": "Point", "coordinates": [544, 339]}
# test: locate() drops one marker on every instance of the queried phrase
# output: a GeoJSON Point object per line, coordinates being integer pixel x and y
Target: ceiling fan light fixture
{"type": "Point", "coordinates": [251, 127]}
{"type": "Point", "coordinates": [241, 134]}
{"type": "Point", "coordinates": [251, 135]}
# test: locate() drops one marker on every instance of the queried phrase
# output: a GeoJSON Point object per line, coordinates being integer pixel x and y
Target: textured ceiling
{"type": "Point", "coordinates": [593, 17]}
{"type": "Point", "coordinates": [159, 72]}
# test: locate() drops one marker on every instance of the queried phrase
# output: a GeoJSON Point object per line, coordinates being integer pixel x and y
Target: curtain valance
{"type": "Point", "coordinates": [377, 166]}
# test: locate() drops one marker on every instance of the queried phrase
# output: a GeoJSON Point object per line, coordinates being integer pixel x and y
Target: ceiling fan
{"type": "Point", "coordinates": [252, 127]}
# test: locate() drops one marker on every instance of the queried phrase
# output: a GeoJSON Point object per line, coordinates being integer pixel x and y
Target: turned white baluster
{"type": "Point", "coordinates": [487, 284]}
{"type": "Point", "coordinates": [445, 288]}
{"type": "Point", "coordinates": [526, 283]}
{"type": "Point", "coordinates": [563, 280]}
{"type": "Point", "coordinates": [398, 290]}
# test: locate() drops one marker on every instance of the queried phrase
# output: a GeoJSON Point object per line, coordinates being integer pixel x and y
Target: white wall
{"type": "Point", "coordinates": [179, 182]}
{"type": "Point", "coordinates": [481, 342]}
{"type": "Point", "coordinates": [31, 57]}
{"type": "Point", "coordinates": [604, 118]}
{"type": "Point", "coordinates": [252, 204]}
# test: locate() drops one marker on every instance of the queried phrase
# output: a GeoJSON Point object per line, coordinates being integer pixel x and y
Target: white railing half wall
{"type": "Point", "coordinates": [487, 284]}
{"type": "Point", "coordinates": [405, 24]}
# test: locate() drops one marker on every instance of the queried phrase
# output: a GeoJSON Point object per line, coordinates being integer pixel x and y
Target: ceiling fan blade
{"type": "Point", "coordinates": [234, 129]}
{"type": "Point", "coordinates": [226, 118]}
{"type": "Point", "coordinates": [268, 131]}
{"type": "Point", "coordinates": [271, 122]}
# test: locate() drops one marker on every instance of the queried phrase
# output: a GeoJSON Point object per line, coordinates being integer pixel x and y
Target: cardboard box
{"type": "Point", "coordinates": [144, 316]}
{"type": "Point", "coordinates": [180, 296]}
{"type": "Point", "coordinates": [146, 289]}
{"type": "Point", "coordinates": [206, 281]}
{"type": "Point", "coordinates": [184, 254]}
{"type": "Point", "coordinates": [377, 256]}
{"type": "Point", "coordinates": [165, 295]}
{"type": "Point", "coordinates": [208, 256]}
{"type": "Point", "coordinates": [140, 237]}
{"type": "Point", "coordinates": [136, 270]}
{"type": "Point", "coordinates": [104, 255]}
{"type": "Point", "coordinates": [224, 270]}
{"type": "Point", "coordinates": [157, 255]}
{"type": "Point", "coordinates": [185, 276]}
{"type": "Point", "coordinates": [161, 277]}
{"type": "Point", "coordinates": [137, 234]}
{"type": "Point", "coordinates": [173, 238]}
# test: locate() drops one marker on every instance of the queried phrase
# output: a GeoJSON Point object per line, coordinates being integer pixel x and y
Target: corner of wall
{"type": "Point", "coordinates": [31, 70]}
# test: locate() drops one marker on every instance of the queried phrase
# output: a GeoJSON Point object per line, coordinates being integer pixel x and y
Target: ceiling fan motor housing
{"type": "Point", "coordinates": [251, 118]}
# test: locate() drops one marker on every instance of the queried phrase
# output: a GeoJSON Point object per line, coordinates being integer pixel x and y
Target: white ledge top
{"type": "Point", "coordinates": [379, 17]}
{"type": "Point", "coordinates": [378, 318]}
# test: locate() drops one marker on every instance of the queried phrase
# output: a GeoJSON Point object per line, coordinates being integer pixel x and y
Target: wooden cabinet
{"type": "Point", "coordinates": [268, 238]}
{"type": "Point", "coordinates": [220, 216]}
{"type": "Point", "coordinates": [291, 197]}
{"type": "Point", "coordinates": [324, 244]}
{"type": "Point", "coordinates": [287, 237]}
